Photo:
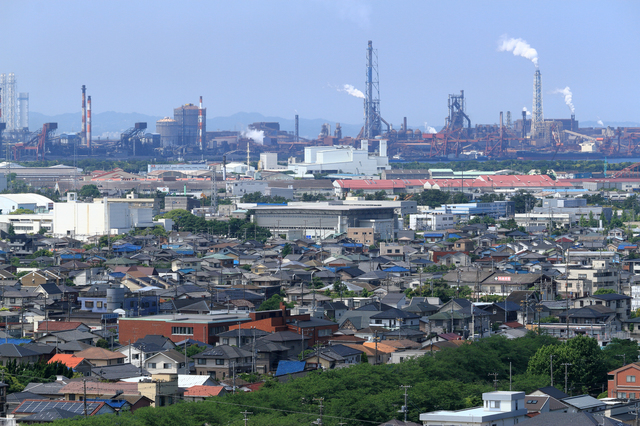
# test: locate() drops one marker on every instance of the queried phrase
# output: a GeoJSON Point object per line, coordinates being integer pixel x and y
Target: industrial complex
{"type": "Point", "coordinates": [184, 135]}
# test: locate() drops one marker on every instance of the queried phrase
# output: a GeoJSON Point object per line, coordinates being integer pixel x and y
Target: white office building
{"type": "Point", "coordinates": [432, 221]}
{"type": "Point", "coordinates": [101, 217]}
{"type": "Point", "coordinates": [342, 159]}
{"type": "Point", "coordinates": [12, 202]}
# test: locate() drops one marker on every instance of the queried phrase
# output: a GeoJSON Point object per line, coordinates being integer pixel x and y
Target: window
{"type": "Point", "coordinates": [135, 356]}
{"type": "Point", "coordinates": [494, 404]}
{"type": "Point", "coordinates": [325, 332]}
{"type": "Point", "coordinates": [225, 341]}
{"type": "Point", "coordinates": [88, 304]}
{"type": "Point", "coordinates": [219, 361]}
{"type": "Point", "coordinates": [622, 395]}
{"type": "Point", "coordinates": [397, 250]}
{"type": "Point", "coordinates": [182, 330]}
{"type": "Point", "coordinates": [202, 361]}
{"type": "Point", "coordinates": [167, 365]}
{"type": "Point", "coordinates": [631, 379]}
{"type": "Point", "coordinates": [151, 365]}
{"type": "Point", "coordinates": [98, 304]}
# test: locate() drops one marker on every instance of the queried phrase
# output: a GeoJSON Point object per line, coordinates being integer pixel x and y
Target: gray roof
{"type": "Point", "coordinates": [224, 352]}
{"type": "Point", "coordinates": [51, 388]}
{"type": "Point", "coordinates": [284, 336]}
{"type": "Point", "coordinates": [9, 350]}
{"type": "Point", "coordinates": [583, 402]}
{"type": "Point", "coordinates": [118, 372]}
{"type": "Point", "coordinates": [575, 419]}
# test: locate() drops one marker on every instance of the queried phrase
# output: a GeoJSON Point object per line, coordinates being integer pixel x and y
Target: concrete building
{"type": "Point", "coordinates": [342, 159]}
{"type": "Point", "coordinates": [12, 202]}
{"type": "Point", "coordinates": [238, 188]}
{"type": "Point", "coordinates": [27, 223]}
{"type": "Point", "coordinates": [326, 218]}
{"type": "Point", "coordinates": [101, 217]}
{"type": "Point", "coordinates": [365, 236]}
{"type": "Point", "coordinates": [177, 167]}
{"type": "Point", "coordinates": [503, 408]}
{"type": "Point", "coordinates": [496, 210]}
{"type": "Point", "coordinates": [184, 203]}
{"type": "Point", "coordinates": [269, 161]}
{"type": "Point", "coordinates": [432, 221]}
{"type": "Point", "coordinates": [204, 328]}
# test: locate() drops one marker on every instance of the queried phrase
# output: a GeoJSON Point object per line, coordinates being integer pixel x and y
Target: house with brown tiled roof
{"type": "Point", "coordinates": [44, 327]}
{"type": "Point", "coordinates": [74, 391]}
{"type": "Point", "coordinates": [99, 356]}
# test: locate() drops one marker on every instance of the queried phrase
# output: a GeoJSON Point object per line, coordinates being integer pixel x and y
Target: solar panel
{"type": "Point", "coordinates": [76, 407]}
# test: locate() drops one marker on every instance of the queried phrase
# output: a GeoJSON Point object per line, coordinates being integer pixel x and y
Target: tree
{"type": "Point", "coordinates": [11, 230]}
{"type": "Point", "coordinates": [89, 191]}
{"type": "Point", "coordinates": [524, 201]}
{"type": "Point", "coordinates": [286, 250]}
{"type": "Point", "coordinates": [102, 343]}
{"type": "Point", "coordinates": [588, 370]}
{"type": "Point", "coordinates": [22, 211]}
{"type": "Point", "coordinates": [273, 303]}
{"type": "Point", "coordinates": [604, 291]}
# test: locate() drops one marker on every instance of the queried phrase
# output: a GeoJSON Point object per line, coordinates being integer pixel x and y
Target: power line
{"type": "Point", "coordinates": [293, 412]}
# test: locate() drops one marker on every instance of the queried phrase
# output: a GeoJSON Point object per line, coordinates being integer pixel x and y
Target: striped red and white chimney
{"type": "Point", "coordinates": [83, 131]}
{"type": "Point", "coordinates": [89, 122]}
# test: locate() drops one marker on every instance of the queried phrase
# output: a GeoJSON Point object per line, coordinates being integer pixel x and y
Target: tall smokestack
{"type": "Point", "coordinates": [404, 124]}
{"type": "Point", "coordinates": [83, 131]}
{"type": "Point", "coordinates": [89, 122]}
{"type": "Point", "coordinates": [524, 124]}
{"type": "Point", "coordinates": [297, 132]}
{"type": "Point", "coordinates": [573, 120]}
{"type": "Point", "coordinates": [200, 135]}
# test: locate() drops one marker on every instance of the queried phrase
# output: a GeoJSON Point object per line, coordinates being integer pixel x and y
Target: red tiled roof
{"type": "Point", "coordinates": [199, 390]}
{"type": "Point", "coordinates": [70, 360]}
{"type": "Point", "coordinates": [513, 324]}
{"type": "Point", "coordinates": [254, 386]}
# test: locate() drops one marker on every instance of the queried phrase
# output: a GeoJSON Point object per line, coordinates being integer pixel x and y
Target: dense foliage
{"type": "Point", "coordinates": [17, 376]}
{"type": "Point", "coordinates": [447, 380]}
{"type": "Point", "coordinates": [233, 228]}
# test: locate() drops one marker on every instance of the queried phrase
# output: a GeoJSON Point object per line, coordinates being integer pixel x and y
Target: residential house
{"type": "Point", "coordinates": [624, 382]}
{"type": "Point", "coordinates": [167, 362]}
{"type": "Point", "coordinates": [223, 361]}
{"type": "Point", "coordinates": [333, 356]}
{"type": "Point", "coordinates": [200, 393]}
{"type": "Point", "coordinates": [77, 364]}
{"type": "Point", "coordinates": [17, 354]}
{"type": "Point", "coordinates": [100, 357]}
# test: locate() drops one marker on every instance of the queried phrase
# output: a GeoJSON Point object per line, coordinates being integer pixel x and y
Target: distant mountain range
{"type": "Point", "coordinates": [111, 124]}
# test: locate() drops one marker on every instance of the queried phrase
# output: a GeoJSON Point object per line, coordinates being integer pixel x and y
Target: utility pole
{"type": "Point", "coordinates": [566, 364]}
{"type": "Point", "coordinates": [495, 380]}
{"type": "Point", "coordinates": [84, 385]}
{"type": "Point", "coordinates": [321, 400]}
{"type": "Point", "coordinates": [405, 407]}
{"type": "Point", "coordinates": [624, 359]}
{"type": "Point", "coordinates": [245, 413]}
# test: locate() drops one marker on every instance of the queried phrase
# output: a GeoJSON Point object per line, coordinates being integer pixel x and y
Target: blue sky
{"type": "Point", "coordinates": [279, 57]}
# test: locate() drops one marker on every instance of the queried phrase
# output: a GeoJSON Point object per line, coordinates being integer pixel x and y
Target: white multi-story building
{"type": "Point", "coordinates": [342, 159]}
{"type": "Point", "coordinates": [101, 217]}
{"type": "Point", "coordinates": [504, 408]}
{"type": "Point", "coordinates": [431, 221]}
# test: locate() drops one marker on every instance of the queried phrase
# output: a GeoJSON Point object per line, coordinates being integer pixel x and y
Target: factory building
{"type": "Point", "coordinates": [12, 202]}
{"type": "Point", "coordinates": [496, 210]}
{"type": "Point", "coordinates": [186, 118]}
{"type": "Point", "coordinates": [342, 159]}
{"type": "Point", "coordinates": [316, 220]}
{"type": "Point", "coordinates": [85, 220]}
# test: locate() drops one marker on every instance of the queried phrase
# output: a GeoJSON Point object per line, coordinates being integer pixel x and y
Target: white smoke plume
{"type": "Point", "coordinates": [256, 135]}
{"type": "Point", "coordinates": [429, 129]}
{"type": "Point", "coordinates": [351, 90]}
{"type": "Point", "coordinates": [568, 97]}
{"type": "Point", "coordinates": [600, 123]}
{"type": "Point", "coordinates": [518, 47]}
{"type": "Point", "coordinates": [527, 111]}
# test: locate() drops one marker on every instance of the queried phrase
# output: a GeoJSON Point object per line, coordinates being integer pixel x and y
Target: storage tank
{"type": "Point", "coordinates": [115, 298]}
{"type": "Point", "coordinates": [169, 131]}
{"type": "Point", "coordinates": [186, 117]}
